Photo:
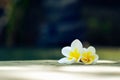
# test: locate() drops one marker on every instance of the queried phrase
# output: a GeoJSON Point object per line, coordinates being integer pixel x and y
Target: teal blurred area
{"type": "Point", "coordinates": [105, 53]}
{"type": "Point", "coordinates": [38, 29]}
{"type": "Point", "coordinates": [29, 53]}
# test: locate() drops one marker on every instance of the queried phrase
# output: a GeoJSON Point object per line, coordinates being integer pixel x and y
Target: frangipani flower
{"type": "Point", "coordinates": [89, 55]}
{"type": "Point", "coordinates": [76, 53]}
{"type": "Point", "coordinates": [72, 53]}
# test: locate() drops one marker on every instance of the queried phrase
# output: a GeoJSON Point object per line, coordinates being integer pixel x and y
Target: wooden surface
{"type": "Point", "coordinates": [51, 70]}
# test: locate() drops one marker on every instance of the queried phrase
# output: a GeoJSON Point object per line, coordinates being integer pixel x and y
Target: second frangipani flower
{"type": "Point", "coordinates": [76, 53]}
{"type": "Point", "coordinates": [89, 56]}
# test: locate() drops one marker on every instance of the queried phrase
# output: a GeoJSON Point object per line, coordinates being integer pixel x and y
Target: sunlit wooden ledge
{"type": "Point", "coordinates": [51, 70]}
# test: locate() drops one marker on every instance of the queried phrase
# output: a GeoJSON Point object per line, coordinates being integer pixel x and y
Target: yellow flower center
{"type": "Point", "coordinates": [74, 54]}
{"type": "Point", "coordinates": [88, 57]}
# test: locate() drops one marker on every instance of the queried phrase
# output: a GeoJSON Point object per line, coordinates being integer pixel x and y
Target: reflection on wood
{"type": "Point", "coordinates": [51, 70]}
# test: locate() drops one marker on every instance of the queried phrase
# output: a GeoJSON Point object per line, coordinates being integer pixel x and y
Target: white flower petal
{"type": "Point", "coordinates": [66, 61]}
{"type": "Point", "coordinates": [76, 44]}
{"type": "Point", "coordinates": [62, 60]}
{"type": "Point", "coordinates": [66, 51]}
{"type": "Point", "coordinates": [84, 49]}
{"type": "Point", "coordinates": [96, 59]}
{"type": "Point", "coordinates": [92, 49]}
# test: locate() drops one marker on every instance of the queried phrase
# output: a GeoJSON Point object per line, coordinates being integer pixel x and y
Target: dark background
{"type": "Point", "coordinates": [44, 24]}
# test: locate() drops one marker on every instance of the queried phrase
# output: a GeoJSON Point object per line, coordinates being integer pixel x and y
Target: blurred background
{"type": "Point", "coordinates": [38, 29]}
